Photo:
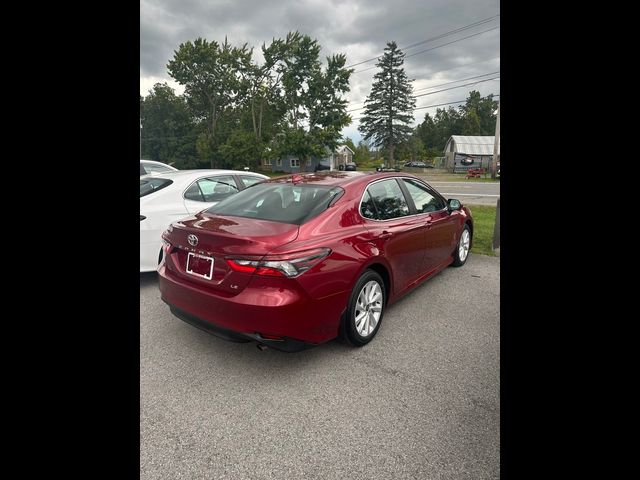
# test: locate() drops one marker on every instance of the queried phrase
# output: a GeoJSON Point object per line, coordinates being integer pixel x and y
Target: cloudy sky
{"type": "Point", "coordinates": [442, 59]}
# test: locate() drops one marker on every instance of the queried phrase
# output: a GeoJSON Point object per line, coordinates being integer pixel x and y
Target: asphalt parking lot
{"type": "Point", "coordinates": [421, 401]}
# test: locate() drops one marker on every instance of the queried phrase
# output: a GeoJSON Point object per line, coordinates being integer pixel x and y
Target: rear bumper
{"type": "Point", "coordinates": [285, 345]}
{"type": "Point", "coordinates": [262, 309]}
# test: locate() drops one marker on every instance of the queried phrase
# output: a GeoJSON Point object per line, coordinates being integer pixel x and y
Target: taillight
{"type": "Point", "coordinates": [287, 265]}
{"type": "Point", "coordinates": [166, 245]}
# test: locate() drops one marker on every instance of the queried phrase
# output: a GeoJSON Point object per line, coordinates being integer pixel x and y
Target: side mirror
{"type": "Point", "coordinates": [454, 205]}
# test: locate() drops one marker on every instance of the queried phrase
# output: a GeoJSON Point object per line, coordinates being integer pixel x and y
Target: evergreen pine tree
{"type": "Point", "coordinates": [388, 110]}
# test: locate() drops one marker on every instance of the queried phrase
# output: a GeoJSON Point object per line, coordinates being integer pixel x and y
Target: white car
{"type": "Point", "coordinates": [151, 166]}
{"type": "Point", "coordinates": [166, 197]}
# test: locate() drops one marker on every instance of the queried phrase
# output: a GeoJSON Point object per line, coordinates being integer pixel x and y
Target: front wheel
{"type": "Point", "coordinates": [461, 252]}
{"type": "Point", "coordinates": [365, 309]}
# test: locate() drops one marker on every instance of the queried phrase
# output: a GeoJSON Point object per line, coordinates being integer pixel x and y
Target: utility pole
{"type": "Point", "coordinates": [496, 143]}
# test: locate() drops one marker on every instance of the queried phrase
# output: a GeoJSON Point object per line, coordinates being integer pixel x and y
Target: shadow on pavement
{"type": "Point", "coordinates": [148, 279]}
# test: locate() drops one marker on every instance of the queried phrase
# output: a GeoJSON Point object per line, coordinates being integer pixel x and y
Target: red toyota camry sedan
{"type": "Point", "coordinates": [299, 260]}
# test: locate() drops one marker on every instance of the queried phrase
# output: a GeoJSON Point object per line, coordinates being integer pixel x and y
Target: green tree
{"type": "Point", "coordinates": [363, 154]}
{"type": "Point", "coordinates": [349, 143]}
{"type": "Point", "coordinates": [412, 149]}
{"type": "Point", "coordinates": [471, 124]}
{"type": "Point", "coordinates": [448, 122]}
{"type": "Point", "coordinates": [240, 148]}
{"type": "Point", "coordinates": [388, 109]}
{"type": "Point", "coordinates": [168, 133]}
{"type": "Point", "coordinates": [483, 108]}
{"type": "Point", "coordinates": [214, 76]}
{"type": "Point", "coordinates": [313, 99]}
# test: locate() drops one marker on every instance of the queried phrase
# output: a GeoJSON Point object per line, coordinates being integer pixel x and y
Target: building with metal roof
{"type": "Point", "coordinates": [463, 152]}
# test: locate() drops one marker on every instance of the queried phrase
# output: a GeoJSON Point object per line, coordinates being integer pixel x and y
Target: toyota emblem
{"type": "Point", "coordinates": [193, 240]}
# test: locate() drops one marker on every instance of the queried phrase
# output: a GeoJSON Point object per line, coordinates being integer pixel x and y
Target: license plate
{"type": "Point", "coordinates": [200, 265]}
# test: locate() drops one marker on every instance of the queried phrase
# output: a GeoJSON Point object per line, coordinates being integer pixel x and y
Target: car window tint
{"type": "Point", "coordinates": [388, 199]}
{"type": "Point", "coordinates": [367, 208]}
{"type": "Point", "coordinates": [193, 193]}
{"type": "Point", "coordinates": [216, 189]}
{"type": "Point", "coordinates": [151, 185]}
{"type": "Point", "coordinates": [249, 180]}
{"type": "Point", "coordinates": [424, 201]}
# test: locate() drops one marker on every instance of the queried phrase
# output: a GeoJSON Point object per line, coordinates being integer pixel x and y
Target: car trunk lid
{"type": "Point", "coordinates": [218, 237]}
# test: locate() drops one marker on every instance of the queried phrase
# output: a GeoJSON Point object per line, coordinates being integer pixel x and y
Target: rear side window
{"type": "Point", "coordinates": [250, 180]}
{"type": "Point", "coordinates": [367, 208]}
{"type": "Point", "coordinates": [212, 189]}
{"type": "Point", "coordinates": [151, 185]}
{"type": "Point", "coordinates": [286, 203]}
{"type": "Point", "coordinates": [422, 198]}
{"type": "Point", "coordinates": [154, 168]}
{"type": "Point", "coordinates": [385, 201]}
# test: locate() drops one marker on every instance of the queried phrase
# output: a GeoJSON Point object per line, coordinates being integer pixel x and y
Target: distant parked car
{"type": "Point", "coordinates": [350, 166]}
{"type": "Point", "coordinates": [166, 197]}
{"type": "Point", "coordinates": [323, 164]}
{"type": "Point", "coordinates": [150, 166]}
{"type": "Point", "coordinates": [416, 164]}
{"type": "Point", "coordinates": [386, 168]}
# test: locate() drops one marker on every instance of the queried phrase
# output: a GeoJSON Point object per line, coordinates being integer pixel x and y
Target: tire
{"type": "Point", "coordinates": [360, 333]}
{"type": "Point", "coordinates": [461, 253]}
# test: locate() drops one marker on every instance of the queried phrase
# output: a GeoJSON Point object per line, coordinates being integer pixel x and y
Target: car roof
{"type": "Point", "coordinates": [180, 177]}
{"type": "Point", "coordinates": [156, 163]}
{"type": "Point", "coordinates": [337, 178]}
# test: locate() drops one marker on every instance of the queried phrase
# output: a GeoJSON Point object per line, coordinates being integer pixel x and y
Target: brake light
{"type": "Point", "coordinates": [287, 265]}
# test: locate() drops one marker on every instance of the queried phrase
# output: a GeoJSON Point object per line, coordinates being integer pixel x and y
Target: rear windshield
{"type": "Point", "coordinates": [289, 203]}
{"type": "Point", "coordinates": [150, 185]}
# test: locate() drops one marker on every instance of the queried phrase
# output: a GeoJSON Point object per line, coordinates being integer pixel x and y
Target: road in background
{"type": "Point", "coordinates": [473, 193]}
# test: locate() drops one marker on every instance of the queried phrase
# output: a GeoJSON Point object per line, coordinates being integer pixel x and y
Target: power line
{"type": "Point", "coordinates": [442, 71]}
{"type": "Point", "coordinates": [455, 81]}
{"type": "Point", "coordinates": [458, 86]}
{"type": "Point", "coordinates": [437, 105]}
{"type": "Point", "coordinates": [438, 91]}
{"type": "Point", "coordinates": [446, 34]}
{"type": "Point", "coordinates": [463, 101]}
{"type": "Point", "coordinates": [433, 48]}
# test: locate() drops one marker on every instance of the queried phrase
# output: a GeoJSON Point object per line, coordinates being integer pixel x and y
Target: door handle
{"type": "Point", "coordinates": [385, 234]}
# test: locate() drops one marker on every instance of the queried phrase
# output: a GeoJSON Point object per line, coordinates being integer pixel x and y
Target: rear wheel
{"type": "Point", "coordinates": [461, 253]}
{"type": "Point", "coordinates": [365, 309]}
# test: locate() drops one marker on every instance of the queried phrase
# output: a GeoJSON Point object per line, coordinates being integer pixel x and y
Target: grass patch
{"type": "Point", "coordinates": [484, 219]}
